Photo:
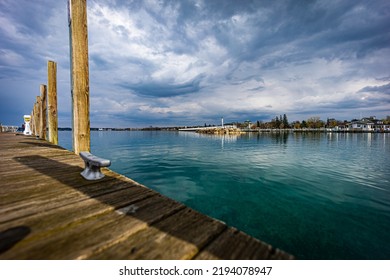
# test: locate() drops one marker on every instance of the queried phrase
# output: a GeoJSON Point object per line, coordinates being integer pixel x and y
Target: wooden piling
{"type": "Point", "coordinates": [52, 102]}
{"type": "Point", "coordinates": [32, 122]}
{"type": "Point", "coordinates": [43, 112]}
{"type": "Point", "coordinates": [79, 74]}
{"type": "Point", "coordinates": [38, 116]}
{"type": "Point", "coordinates": [34, 119]}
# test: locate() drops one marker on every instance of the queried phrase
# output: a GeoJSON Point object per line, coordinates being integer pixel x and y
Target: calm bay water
{"type": "Point", "coordinates": [315, 195]}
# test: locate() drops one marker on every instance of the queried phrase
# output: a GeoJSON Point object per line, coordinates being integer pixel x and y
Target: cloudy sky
{"type": "Point", "coordinates": [187, 62]}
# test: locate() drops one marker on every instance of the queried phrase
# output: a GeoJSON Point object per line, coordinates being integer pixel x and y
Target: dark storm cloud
{"type": "Point", "coordinates": [30, 15]}
{"type": "Point", "coordinates": [380, 89]}
{"type": "Point", "coordinates": [165, 89]}
{"type": "Point", "coordinates": [313, 28]}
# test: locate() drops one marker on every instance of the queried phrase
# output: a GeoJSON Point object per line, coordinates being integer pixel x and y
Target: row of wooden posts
{"type": "Point", "coordinates": [44, 114]}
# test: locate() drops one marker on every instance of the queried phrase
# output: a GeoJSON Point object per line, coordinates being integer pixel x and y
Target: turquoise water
{"type": "Point", "coordinates": [315, 195]}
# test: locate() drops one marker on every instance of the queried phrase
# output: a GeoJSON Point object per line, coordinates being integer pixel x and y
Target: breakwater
{"type": "Point", "coordinates": [221, 131]}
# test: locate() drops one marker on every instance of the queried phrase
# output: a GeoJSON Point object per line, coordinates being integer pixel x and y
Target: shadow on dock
{"type": "Point", "coordinates": [11, 236]}
{"type": "Point", "coordinates": [39, 143]}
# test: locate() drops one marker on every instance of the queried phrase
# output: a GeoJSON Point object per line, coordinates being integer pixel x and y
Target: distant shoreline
{"type": "Point", "coordinates": [322, 130]}
{"type": "Point", "coordinates": [259, 130]}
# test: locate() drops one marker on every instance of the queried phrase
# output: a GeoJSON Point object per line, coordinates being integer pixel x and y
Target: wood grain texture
{"type": "Point", "coordinates": [80, 75]}
{"type": "Point", "coordinates": [43, 112]}
{"type": "Point", "coordinates": [52, 102]}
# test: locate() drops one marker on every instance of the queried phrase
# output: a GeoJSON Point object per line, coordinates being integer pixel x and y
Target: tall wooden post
{"type": "Point", "coordinates": [35, 119]}
{"type": "Point", "coordinates": [52, 101]}
{"type": "Point", "coordinates": [43, 112]}
{"type": "Point", "coordinates": [32, 122]}
{"type": "Point", "coordinates": [38, 116]}
{"type": "Point", "coordinates": [78, 32]}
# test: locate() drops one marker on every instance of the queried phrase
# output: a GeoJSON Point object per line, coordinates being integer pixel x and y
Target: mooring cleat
{"type": "Point", "coordinates": [92, 166]}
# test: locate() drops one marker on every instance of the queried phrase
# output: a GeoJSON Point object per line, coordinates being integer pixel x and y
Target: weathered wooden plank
{"type": "Point", "coordinates": [178, 237]}
{"type": "Point", "coordinates": [15, 188]}
{"type": "Point", "coordinates": [44, 152]}
{"type": "Point", "coordinates": [44, 165]}
{"type": "Point", "coordinates": [62, 172]}
{"type": "Point", "coordinates": [16, 182]}
{"type": "Point", "coordinates": [81, 208]}
{"type": "Point", "coordinates": [53, 196]}
{"type": "Point", "coordinates": [97, 233]}
{"type": "Point", "coordinates": [26, 138]}
{"type": "Point", "coordinates": [12, 178]}
{"type": "Point", "coordinates": [10, 159]}
{"type": "Point", "coordinates": [39, 187]}
{"type": "Point", "coordinates": [22, 167]}
{"type": "Point", "coordinates": [38, 147]}
{"type": "Point", "coordinates": [29, 146]}
{"type": "Point", "coordinates": [37, 205]}
{"type": "Point", "coordinates": [233, 244]}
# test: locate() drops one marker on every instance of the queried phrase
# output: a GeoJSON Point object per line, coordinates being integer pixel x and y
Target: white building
{"type": "Point", "coordinates": [368, 124]}
{"type": "Point", "coordinates": [362, 125]}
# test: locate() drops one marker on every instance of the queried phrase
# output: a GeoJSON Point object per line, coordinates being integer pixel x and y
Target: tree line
{"type": "Point", "coordinates": [281, 122]}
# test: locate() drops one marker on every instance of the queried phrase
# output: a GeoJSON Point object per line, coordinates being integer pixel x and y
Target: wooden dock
{"type": "Point", "coordinates": [48, 211]}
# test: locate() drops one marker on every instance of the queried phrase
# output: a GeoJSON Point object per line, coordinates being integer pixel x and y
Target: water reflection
{"type": "Point", "coordinates": [280, 138]}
